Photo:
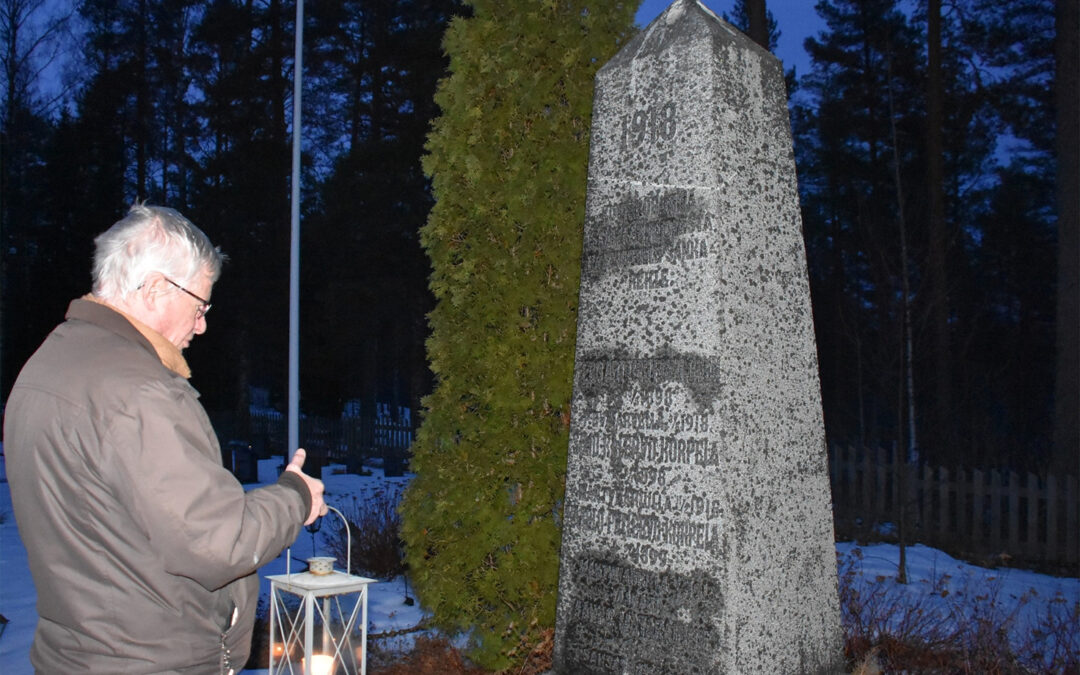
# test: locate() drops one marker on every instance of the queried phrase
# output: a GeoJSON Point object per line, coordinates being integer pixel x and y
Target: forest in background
{"type": "Point", "coordinates": [926, 145]}
{"type": "Point", "coordinates": [189, 104]}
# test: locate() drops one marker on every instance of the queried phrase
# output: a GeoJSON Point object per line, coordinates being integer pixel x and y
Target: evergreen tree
{"type": "Point", "coordinates": [31, 35]}
{"type": "Point", "coordinates": [896, 148]}
{"type": "Point", "coordinates": [1001, 320]}
{"type": "Point", "coordinates": [865, 86]}
{"type": "Point", "coordinates": [1008, 370]}
{"type": "Point", "coordinates": [508, 162]}
{"type": "Point", "coordinates": [110, 150]}
{"type": "Point", "coordinates": [135, 52]}
{"type": "Point", "coordinates": [740, 17]}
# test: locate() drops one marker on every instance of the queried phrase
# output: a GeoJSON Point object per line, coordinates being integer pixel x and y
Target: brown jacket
{"type": "Point", "coordinates": [140, 543]}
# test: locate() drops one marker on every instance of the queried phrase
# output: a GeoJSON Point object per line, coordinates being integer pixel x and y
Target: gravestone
{"type": "Point", "coordinates": [697, 534]}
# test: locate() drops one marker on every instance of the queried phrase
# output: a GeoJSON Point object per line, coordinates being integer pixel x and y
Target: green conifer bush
{"type": "Point", "coordinates": [508, 164]}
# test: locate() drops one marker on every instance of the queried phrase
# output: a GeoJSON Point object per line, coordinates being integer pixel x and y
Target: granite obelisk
{"type": "Point", "coordinates": [697, 525]}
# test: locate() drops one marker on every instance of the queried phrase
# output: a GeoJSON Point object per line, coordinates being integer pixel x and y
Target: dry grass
{"type": "Point", "coordinates": [437, 656]}
{"type": "Point", "coordinates": [429, 656]}
{"type": "Point", "coordinates": [376, 536]}
{"type": "Point", "coordinates": [889, 628]}
{"type": "Point", "coordinates": [881, 636]}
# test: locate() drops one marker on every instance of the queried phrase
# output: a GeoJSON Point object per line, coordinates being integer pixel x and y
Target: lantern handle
{"type": "Point", "coordinates": [348, 540]}
{"type": "Point", "coordinates": [348, 546]}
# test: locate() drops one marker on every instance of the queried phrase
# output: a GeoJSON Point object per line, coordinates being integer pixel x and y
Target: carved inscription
{"type": "Point", "coordinates": [655, 123]}
{"type": "Point", "coordinates": [646, 239]}
{"type": "Point", "coordinates": [603, 375]}
{"type": "Point", "coordinates": [645, 458]}
{"type": "Point", "coordinates": [645, 221]}
{"type": "Point", "coordinates": [631, 621]}
{"type": "Point", "coordinates": [652, 449]}
{"type": "Point", "coordinates": [649, 276]}
{"type": "Point", "coordinates": [605, 520]}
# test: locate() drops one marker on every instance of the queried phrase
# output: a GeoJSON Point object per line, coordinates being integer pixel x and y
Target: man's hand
{"type": "Point", "coordinates": [315, 486]}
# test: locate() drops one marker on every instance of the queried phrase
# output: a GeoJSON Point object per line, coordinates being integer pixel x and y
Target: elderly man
{"type": "Point", "coordinates": [142, 546]}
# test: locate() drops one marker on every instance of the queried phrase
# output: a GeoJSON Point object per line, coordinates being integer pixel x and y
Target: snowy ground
{"type": "Point", "coordinates": [959, 603]}
{"type": "Point", "coordinates": [939, 582]}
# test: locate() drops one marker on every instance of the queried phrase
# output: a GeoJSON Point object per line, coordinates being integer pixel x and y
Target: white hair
{"type": "Point", "coordinates": [151, 239]}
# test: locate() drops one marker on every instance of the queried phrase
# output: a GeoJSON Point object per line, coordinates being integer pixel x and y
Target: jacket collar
{"type": "Point", "coordinates": [97, 311]}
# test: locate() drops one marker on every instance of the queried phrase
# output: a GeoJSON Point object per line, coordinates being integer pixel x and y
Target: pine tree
{"type": "Point", "coordinates": [1001, 265]}
{"type": "Point", "coordinates": [373, 76]}
{"type": "Point", "coordinates": [865, 71]}
{"type": "Point", "coordinates": [508, 163]}
{"type": "Point", "coordinates": [934, 174]}
{"type": "Point", "coordinates": [32, 33]}
{"type": "Point", "coordinates": [241, 55]}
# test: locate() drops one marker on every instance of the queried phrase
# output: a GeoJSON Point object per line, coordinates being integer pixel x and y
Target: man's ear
{"type": "Point", "coordinates": [152, 290]}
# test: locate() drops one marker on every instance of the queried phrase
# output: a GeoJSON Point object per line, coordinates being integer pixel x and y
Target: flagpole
{"type": "Point", "coordinates": [294, 243]}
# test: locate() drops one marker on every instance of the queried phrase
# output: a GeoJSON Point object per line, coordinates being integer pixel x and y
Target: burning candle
{"type": "Point", "coordinates": [321, 664]}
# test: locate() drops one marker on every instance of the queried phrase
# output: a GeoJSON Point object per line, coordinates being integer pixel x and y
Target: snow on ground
{"type": "Point", "coordinates": [939, 582]}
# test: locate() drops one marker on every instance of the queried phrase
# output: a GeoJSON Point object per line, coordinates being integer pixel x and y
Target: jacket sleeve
{"type": "Point", "coordinates": [195, 514]}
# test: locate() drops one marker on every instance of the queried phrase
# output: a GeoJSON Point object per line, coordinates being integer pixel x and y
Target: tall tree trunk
{"type": "Point", "coordinates": [759, 22]}
{"type": "Point", "coordinates": [1067, 386]}
{"type": "Point", "coordinates": [941, 417]}
{"type": "Point", "coordinates": [907, 378]}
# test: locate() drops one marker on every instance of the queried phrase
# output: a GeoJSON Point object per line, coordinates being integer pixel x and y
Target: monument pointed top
{"type": "Point", "coordinates": [683, 20]}
{"type": "Point", "coordinates": [679, 7]}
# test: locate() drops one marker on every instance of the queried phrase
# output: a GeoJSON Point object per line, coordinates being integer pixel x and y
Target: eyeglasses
{"type": "Point", "coordinates": [204, 305]}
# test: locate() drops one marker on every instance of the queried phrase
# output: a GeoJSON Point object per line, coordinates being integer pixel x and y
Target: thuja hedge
{"type": "Point", "coordinates": [507, 160]}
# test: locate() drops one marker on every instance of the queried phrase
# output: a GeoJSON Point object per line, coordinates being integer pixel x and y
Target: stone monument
{"type": "Point", "coordinates": [697, 530]}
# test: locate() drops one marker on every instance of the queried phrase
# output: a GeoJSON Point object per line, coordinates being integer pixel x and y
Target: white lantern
{"type": "Point", "coordinates": [318, 618]}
